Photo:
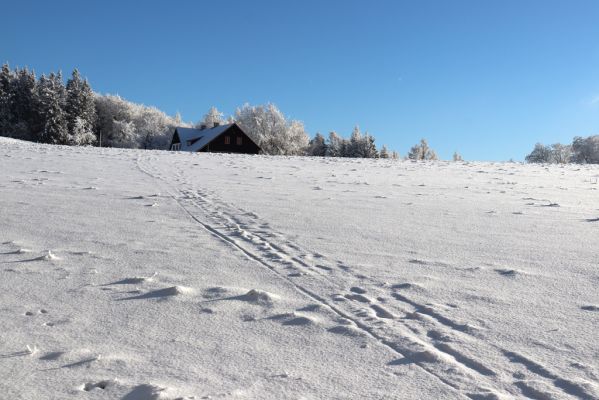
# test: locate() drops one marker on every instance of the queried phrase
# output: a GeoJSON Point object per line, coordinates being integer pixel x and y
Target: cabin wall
{"type": "Point", "coordinates": [175, 140]}
{"type": "Point", "coordinates": [219, 144]}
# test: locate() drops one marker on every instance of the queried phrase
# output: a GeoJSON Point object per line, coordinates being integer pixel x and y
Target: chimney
{"type": "Point", "coordinates": [202, 127]}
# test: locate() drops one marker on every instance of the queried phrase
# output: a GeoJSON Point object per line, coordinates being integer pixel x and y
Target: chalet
{"type": "Point", "coordinates": [229, 138]}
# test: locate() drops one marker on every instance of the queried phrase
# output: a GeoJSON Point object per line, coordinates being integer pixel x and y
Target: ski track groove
{"type": "Point", "coordinates": [266, 253]}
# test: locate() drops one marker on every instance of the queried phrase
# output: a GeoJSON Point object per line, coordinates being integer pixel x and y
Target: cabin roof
{"type": "Point", "coordinates": [198, 138]}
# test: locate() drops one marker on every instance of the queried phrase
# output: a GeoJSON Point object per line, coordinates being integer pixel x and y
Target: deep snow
{"type": "Point", "coordinates": [129, 274]}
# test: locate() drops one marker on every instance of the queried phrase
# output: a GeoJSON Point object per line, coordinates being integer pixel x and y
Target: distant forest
{"type": "Point", "coordinates": [48, 110]}
{"type": "Point", "coordinates": [582, 150]}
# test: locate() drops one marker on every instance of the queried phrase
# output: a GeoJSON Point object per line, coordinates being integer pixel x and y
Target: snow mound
{"type": "Point", "coordinates": [257, 296]}
{"type": "Point", "coordinates": [347, 330]}
{"type": "Point", "coordinates": [135, 280]}
{"type": "Point", "coordinates": [294, 319]}
{"type": "Point", "coordinates": [173, 291]}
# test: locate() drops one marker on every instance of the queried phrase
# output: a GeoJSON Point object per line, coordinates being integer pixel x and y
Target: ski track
{"type": "Point", "coordinates": [420, 335]}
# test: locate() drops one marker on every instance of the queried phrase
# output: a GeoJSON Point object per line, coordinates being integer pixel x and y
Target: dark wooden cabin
{"type": "Point", "coordinates": [229, 138]}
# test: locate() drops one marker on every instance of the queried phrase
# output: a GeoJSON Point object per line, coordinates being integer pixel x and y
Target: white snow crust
{"type": "Point", "coordinates": [134, 275]}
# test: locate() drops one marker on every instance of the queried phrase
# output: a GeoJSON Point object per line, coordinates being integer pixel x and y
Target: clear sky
{"type": "Point", "coordinates": [485, 78]}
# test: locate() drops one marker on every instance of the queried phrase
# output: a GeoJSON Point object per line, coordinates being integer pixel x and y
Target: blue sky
{"type": "Point", "coordinates": [485, 78]}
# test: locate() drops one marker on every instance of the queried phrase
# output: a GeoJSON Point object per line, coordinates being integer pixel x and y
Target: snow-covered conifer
{"type": "Point", "coordinates": [6, 82]}
{"type": "Point", "coordinates": [80, 109]}
{"type": "Point", "coordinates": [368, 147]}
{"type": "Point", "coordinates": [50, 103]}
{"type": "Point", "coordinates": [335, 145]}
{"type": "Point", "coordinates": [384, 153]}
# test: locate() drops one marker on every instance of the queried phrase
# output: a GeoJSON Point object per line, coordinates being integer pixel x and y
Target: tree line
{"type": "Point", "coordinates": [582, 150]}
{"type": "Point", "coordinates": [47, 110]}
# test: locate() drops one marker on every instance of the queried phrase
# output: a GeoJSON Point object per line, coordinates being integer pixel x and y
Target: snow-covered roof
{"type": "Point", "coordinates": [195, 139]}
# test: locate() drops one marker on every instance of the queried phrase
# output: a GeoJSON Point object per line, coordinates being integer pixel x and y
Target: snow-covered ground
{"type": "Point", "coordinates": [131, 275]}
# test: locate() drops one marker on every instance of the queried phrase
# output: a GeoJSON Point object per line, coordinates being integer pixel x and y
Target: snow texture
{"type": "Point", "coordinates": [393, 280]}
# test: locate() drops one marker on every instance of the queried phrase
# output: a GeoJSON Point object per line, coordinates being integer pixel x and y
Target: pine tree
{"type": "Point", "coordinates": [23, 88]}
{"type": "Point", "coordinates": [80, 110]}
{"type": "Point", "coordinates": [6, 79]}
{"type": "Point", "coordinates": [50, 99]}
{"type": "Point", "coordinates": [457, 157]}
{"type": "Point", "coordinates": [368, 147]}
{"type": "Point", "coordinates": [355, 144]}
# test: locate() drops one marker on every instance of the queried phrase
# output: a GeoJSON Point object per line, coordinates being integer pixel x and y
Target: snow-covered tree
{"type": "Point", "coordinates": [585, 150]}
{"type": "Point", "coordinates": [395, 155]}
{"type": "Point", "coordinates": [361, 146]}
{"type": "Point", "coordinates": [355, 144]}
{"type": "Point", "coordinates": [80, 109]}
{"type": "Point", "coordinates": [269, 128]}
{"type": "Point", "coordinates": [123, 134]}
{"type": "Point", "coordinates": [81, 133]}
{"type": "Point", "coordinates": [318, 146]}
{"type": "Point", "coordinates": [6, 82]}
{"type": "Point", "coordinates": [22, 103]}
{"type": "Point", "coordinates": [422, 151]}
{"type": "Point", "coordinates": [155, 128]}
{"type": "Point", "coordinates": [336, 146]}
{"type": "Point", "coordinates": [540, 154]}
{"type": "Point", "coordinates": [121, 123]}
{"type": "Point", "coordinates": [561, 153]}
{"type": "Point", "coordinates": [457, 156]}
{"type": "Point", "coordinates": [558, 153]}
{"type": "Point", "coordinates": [368, 147]}
{"type": "Point", "coordinates": [212, 118]}
{"type": "Point", "coordinates": [50, 100]}
{"type": "Point", "coordinates": [384, 153]}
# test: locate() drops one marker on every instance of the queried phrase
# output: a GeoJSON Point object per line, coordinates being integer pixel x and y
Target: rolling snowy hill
{"type": "Point", "coordinates": [129, 274]}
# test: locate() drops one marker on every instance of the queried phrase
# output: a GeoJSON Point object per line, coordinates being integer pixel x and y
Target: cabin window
{"type": "Point", "coordinates": [176, 146]}
{"type": "Point", "coordinates": [227, 139]}
{"type": "Point", "coordinates": [239, 140]}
